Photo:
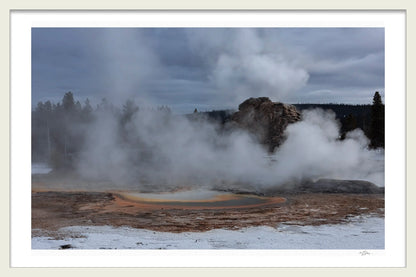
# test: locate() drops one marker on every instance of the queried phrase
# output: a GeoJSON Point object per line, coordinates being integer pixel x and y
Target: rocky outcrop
{"type": "Point", "coordinates": [325, 186]}
{"type": "Point", "coordinates": [341, 186]}
{"type": "Point", "coordinates": [265, 119]}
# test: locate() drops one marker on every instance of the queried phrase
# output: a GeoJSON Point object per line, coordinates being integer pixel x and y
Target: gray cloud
{"type": "Point", "coordinates": [208, 68]}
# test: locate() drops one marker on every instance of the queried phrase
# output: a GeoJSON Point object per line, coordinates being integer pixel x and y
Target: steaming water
{"type": "Point", "coordinates": [200, 199]}
{"type": "Point", "coordinates": [197, 194]}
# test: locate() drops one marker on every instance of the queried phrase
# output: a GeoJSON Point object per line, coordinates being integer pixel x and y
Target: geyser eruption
{"type": "Point", "coordinates": [154, 150]}
{"type": "Point", "coordinates": [245, 63]}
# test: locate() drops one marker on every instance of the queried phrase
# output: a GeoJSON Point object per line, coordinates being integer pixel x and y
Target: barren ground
{"type": "Point", "coordinates": [52, 210]}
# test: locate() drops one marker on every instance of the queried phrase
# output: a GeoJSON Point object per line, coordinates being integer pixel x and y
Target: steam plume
{"type": "Point", "coordinates": [164, 151]}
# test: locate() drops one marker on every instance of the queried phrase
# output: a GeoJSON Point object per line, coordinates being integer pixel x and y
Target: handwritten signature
{"type": "Point", "coordinates": [364, 253]}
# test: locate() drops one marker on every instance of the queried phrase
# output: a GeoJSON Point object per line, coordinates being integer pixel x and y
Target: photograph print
{"type": "Point", "coordinates": [207, 138]}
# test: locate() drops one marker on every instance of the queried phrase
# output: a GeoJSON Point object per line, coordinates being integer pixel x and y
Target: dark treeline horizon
{"type": "Point", "coordinates": [59, 129]}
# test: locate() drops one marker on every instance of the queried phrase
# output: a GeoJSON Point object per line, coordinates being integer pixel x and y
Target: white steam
{"type": "Point", "coordinates": [228, 65]}
{"type": "Point", "coordinates": [313, 150]}
{"type": "Point", "coordinates": [164, 151]}
{"type": "Point", "coordinates": [264, 74]}
{"type": "Point", "coordinates": [243, 65]}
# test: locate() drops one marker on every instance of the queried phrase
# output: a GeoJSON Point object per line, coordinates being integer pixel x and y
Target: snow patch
{"type": "Point", "coordinates": [41, 168]}
{"type": "Point", "coordinates": [358, 233]}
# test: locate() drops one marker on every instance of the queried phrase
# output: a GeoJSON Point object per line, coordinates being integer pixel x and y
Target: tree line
{"type": "Point", "coordinates": [59, 129]}
{"type": "Point", "coordinates": [367, 117]}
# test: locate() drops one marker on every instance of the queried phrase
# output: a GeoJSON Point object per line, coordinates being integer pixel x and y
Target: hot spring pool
{"type": "Point", "coordinates": [199, 199]}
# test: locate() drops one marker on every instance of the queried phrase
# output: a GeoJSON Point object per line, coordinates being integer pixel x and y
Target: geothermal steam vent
{"type": "Point", "coordinates": [261, 117]}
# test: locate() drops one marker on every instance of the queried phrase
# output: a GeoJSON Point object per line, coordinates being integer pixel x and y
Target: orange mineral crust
{"type": "Point", "coordinates": [52, 210]}
{"type": "Point", "coordinates": [217, 202]}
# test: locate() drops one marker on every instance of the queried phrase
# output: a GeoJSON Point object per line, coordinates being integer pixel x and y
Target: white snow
{"type": "Point", "coordinates": [41, 168]}
{"type": "Point", "coordinates": [359, 233]}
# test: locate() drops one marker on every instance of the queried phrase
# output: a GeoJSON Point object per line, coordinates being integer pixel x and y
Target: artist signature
{"type": "Point", "coordinates": [364, 253]}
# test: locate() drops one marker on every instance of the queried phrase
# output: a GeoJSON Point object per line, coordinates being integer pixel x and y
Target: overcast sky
{"type": "Point", "coordinates": [211, 68]}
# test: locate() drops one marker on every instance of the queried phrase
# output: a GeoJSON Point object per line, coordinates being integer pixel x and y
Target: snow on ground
{"type": "Point", "coordinates": [41, 168]}
{"type": "Point", "coordinates": [359, 233]}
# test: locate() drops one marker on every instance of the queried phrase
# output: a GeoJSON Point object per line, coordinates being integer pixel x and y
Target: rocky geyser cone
{"type": "Point", "coordinates": [265, 119]}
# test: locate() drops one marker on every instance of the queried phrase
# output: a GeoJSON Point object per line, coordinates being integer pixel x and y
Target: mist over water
{"type": "Point", "coordinates": [161, 151]}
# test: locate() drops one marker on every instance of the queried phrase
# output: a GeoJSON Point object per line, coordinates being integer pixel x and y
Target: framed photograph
{"type": "Point", "coordinates": [208, 138]}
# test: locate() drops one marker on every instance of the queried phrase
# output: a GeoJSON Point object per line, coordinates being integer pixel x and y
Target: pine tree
{"type": "Point", "coordinates": [68, 102]}
{"type": "Point", "coordinates": [87, 109]}
{"type": "Point", "coordinates": [129, 110]}
{"type": "Point", "coordinates": [377, 122]}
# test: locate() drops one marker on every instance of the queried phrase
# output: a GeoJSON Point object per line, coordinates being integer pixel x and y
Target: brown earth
{"type": "Point", "coordinates": [52, 210]}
